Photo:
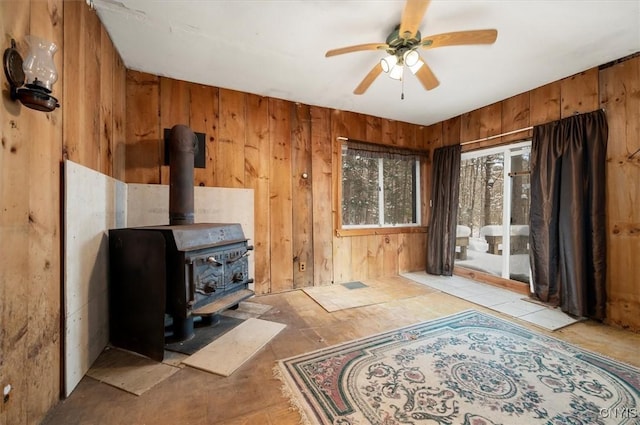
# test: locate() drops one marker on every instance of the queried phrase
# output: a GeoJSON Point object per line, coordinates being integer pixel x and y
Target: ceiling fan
{"type": "Point", "coordinates": [403, 43]}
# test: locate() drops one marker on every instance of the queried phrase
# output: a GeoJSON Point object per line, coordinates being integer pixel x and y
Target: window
{"type": "Point", "coordinates": [380, 186]}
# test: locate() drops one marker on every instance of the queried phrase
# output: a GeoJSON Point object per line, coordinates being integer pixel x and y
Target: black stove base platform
{"type": "Point", "coordinates": [204, 334]}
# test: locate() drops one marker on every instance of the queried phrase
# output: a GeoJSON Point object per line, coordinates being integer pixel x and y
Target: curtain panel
{"type": "Point", "coordinates": [567, 221]}
{"type": "Point", "coordinates": [441, 236]}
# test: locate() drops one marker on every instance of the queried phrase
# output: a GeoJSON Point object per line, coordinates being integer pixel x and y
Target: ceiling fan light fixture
{"type": "Point", "coordinates": [396, 72]}
{"type": "Point", "coordinates": [388, 63]}
{"type": "Point", "coordinates": [411, 58]}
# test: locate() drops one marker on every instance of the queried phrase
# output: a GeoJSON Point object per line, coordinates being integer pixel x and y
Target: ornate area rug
{"type": "Point", "coordinates": [470, 368]}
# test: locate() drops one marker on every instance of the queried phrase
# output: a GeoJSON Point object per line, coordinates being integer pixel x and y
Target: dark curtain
{"type": "Point", "coordinates": [567, 228]}
{"type": "Point", "coordinates": [441, 237]}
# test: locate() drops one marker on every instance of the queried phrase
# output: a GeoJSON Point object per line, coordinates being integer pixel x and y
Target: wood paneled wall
{"type": "Point", "coordinates": [87, 128]}
{"type": "Point", "coordinates": [269, 145]}
{"type": "Point", "coordinates": [619, 93]}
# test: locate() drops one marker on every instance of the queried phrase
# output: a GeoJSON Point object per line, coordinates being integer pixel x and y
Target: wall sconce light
{"type": "Point", "coordinates": [31, 80]}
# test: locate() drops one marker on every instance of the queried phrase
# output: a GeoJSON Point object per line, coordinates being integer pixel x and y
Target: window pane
{"type": "Point", "coordinates": [359, 190]}
{"type": "Point", "coordinates": [399, 191]}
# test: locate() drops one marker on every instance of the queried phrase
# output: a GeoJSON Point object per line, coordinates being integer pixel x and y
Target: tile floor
{"type": "Point", "coordinates": [498, 299]}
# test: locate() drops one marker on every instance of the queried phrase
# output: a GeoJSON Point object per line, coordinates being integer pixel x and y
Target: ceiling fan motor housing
{"type": "Point", "coordinates": [399, 45]}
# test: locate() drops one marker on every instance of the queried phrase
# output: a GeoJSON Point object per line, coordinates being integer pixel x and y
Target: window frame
{"type": "Point", "coordinates": [420, 193]}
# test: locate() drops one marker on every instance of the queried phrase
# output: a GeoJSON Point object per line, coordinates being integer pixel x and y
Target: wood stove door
{"type": "Point", "coordinates": [217, 273]}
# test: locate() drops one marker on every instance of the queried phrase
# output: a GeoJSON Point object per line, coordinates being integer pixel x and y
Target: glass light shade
{"type": "Point", "coordinates": [414, 68]}
{"type": "Point", "coordinates": [411, 57]}
{"type": "Point", "coordinates": [396, 72]}
{"type": "Point", "coordinates": [38, 66]}
{"type": "Point", "coordinates": [388, 63]}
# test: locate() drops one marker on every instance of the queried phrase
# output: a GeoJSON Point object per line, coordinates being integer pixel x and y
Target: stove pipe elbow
{"type": "Point", "coordinates": [182, 149]}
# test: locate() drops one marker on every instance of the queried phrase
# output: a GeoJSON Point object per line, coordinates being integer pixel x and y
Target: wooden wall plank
{"type": "Point", "coordinates": [375, 255]}
{"type": "Point", "coordinates": [302, 196]}
{"type": "Point", "coordinates": [422, 134]}
{"type": "Point", "coordinates": [231, 139]}
{"type": "Point", "coordinates": [341, 245]}
{"type": "Point", "coordinates": [280, 204]}
{"type": "Point", "coordinates": [105, 120]}
{"type": "Point", "coordinates": [544, 104]}
{"type": "Point", "coordinates": [355, 126]}
{"type": "Point", "coordinates": [119, 118]}
{"type": "Point", "coordinates": [403, 252]}
{"type": "Point", "coordinates": [256, 176]}
{"type": "Point", "coordinates": [451, 129]}
{"type": "Point", "coordinates": [375, 243]}
{"type": "Point", "coordinates": [174, 109]}
{"type": "Point", "coordinates": [579, 93]}
{"type": "Point", "coordinates": [515, 116]}
{"type": "Point", "coordinates": [412, 252]}
{"type": "Point", "coordinates": [359, 257]}
{"type": "Point", "coordinates": [89, 80]}
{"type": "Point", "coordinates": [43, 346]}
{"type": "Point", "coordinates": [620, 96]}
{"type": "Point", "coordinates": [389, 129]}
{"type": "Point", "coordinates": [373, 130]}
{"type": "Point", "coordinates": [143, 136]}
{"type": "Point", "coordinates": [342, 269]}
{"type": "Point", "coordinates": [15, 182]}
{"type": "Point", "coordinates": [82, 128]}
{"type": "Point", "coordinates": [481, 123]}
{"type": "Point", "coordinates": [407, 135]}
{"type": "Point", "coordinates": [433, 139]}
{"type": "Point", "coordinates": [203, 118]}
{"type": "Point", "coordinates": [470, 125]}
{"type": "Point", "coordinates": [321, 166]}
{"type": "Point", "coordinates": [390, 250]}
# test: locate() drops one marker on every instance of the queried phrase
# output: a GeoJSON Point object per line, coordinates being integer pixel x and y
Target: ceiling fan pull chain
{"type": "Point", "coordinates": [402, 82]}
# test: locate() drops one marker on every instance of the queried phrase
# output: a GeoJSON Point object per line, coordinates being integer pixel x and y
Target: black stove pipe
{"type": "Point", "coordinates": [182, 149]}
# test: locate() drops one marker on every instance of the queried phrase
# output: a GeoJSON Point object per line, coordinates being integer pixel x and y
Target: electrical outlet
{"type": "Point", "coordinates": [302, 266]}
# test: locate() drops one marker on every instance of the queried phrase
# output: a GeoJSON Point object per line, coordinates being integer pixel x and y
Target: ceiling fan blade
{"type": "Point", "coordinates": [357, 48]}
{"type": "Point", "coordinates": [460, 37]}
{"type": "Point", "coordinates": [366, 82]}
{"type": "Point", "coordinates": [426, 76]}
{"type": "Point", "coordinates": [412, 15]}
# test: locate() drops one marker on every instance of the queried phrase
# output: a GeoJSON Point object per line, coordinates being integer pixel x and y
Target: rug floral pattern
{"type": "Point", "coordinates": [470, 369]}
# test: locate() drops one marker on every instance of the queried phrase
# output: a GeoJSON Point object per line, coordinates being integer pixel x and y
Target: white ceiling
{"type": "Point", "coordinates": [276, 48]}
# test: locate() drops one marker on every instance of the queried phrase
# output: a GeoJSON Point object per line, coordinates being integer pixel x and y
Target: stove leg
{"type": "Point", "coordinates": [209, 319]}
{"type": "Point", "coordinates": [183, 328]}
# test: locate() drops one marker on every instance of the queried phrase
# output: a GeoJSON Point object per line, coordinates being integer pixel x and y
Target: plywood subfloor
{"type": "Point", "coordinates": [129, 372]}
{"type": "Point", "coordinates": [374, 291]}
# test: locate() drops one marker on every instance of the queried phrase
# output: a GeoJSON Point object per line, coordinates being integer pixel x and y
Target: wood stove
{"type": "Point", "coordinates": [179, 271]}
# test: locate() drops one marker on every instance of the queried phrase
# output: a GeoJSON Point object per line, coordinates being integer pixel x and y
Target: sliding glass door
{"type": "Point", "coordinates": [494, 202]}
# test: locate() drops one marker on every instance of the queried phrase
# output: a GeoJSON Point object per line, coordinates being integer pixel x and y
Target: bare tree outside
{"type": "Point", "coordinates": [481, 186]}
{"type": "Point", "coordinates": [399, 195]}
{"type": "Point", "coordinates": [359, 190]}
